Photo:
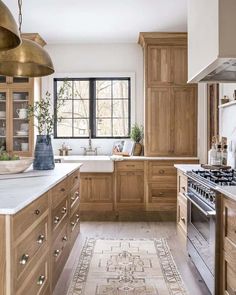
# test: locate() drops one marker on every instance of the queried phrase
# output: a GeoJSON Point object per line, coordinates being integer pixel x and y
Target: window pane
{"type": "Point", "coordinates": [81, 89]}
{"type": "Point", "coordinates": [81, 108]}
{"type": "Point", "coordinates": [103, 127]}
{"type": "Point", "coordinates": [65, 111]}
{"type": "Point", "coordinates": [120, 89]}
{"type": "Point", "coordinates": [67, 89]}
{"type": "Point", "coordinates": [120, 127]}
{"type": "Point", "coordinates": [120, 108]}
{"type": "Point", "coordinates": [103, 109]}
{"type": "Point", "coordinates": [64, 128]}
{"type": "Point", "coordinates": [103, 89]}
{"type": "Point", "coordinates": [81, 127]}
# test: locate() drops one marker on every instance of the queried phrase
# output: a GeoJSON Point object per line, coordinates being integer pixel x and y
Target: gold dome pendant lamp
{"type": "Point", "coordinates": [27, 60]}
{"type": "Point", "coordinates": [9, 33]}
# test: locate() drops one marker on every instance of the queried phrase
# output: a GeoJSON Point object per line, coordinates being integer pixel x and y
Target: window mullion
{"type": "Point", "coordinates": [92, 107]}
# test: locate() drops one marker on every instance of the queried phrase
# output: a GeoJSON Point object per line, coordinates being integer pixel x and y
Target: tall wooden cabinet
{"type": "Point", "coordinates": [16, 130]}
{"type": "Point", "coordinates": [170, 103]}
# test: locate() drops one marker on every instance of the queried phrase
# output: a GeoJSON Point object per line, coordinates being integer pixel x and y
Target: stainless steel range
{"type": "Point", "coordinates": [202, 209]}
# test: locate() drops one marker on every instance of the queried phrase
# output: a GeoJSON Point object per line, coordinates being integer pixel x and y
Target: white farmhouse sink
{"type": "Point", "coordinates": [91, 163]}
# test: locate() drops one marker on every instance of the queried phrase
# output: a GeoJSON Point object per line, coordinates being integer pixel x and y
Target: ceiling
{"type": "Point", "coordinates": [99, 21]}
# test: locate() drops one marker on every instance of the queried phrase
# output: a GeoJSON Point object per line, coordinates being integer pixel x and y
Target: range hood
{"type": "Point", "coordinates": [211, 41]}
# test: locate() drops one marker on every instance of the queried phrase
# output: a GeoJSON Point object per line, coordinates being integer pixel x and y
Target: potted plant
{"type": "Point", "coordinates": [137, 136]}
{"type": "Point", "coordinates": [42, 112]}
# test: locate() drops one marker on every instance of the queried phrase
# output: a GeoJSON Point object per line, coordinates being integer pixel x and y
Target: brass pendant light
{"type": "Point", "coordinates": [27, 60]}
{"type": "Point", "coordinates": [9, 33]}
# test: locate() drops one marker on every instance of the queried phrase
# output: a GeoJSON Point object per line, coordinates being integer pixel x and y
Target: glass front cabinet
{"type": "Point", "coordinates": [16, 129]}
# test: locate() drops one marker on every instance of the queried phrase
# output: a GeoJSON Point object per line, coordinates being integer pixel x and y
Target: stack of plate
{"type": "Point", "coordinates": [22, 133]}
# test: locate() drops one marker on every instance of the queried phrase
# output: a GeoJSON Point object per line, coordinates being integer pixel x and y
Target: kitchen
{"type": "Point", "coordinates": [111, 128]}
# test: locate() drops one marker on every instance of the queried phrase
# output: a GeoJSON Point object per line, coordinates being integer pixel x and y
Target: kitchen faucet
{"type": "Point", "coordinates": [90, 150]}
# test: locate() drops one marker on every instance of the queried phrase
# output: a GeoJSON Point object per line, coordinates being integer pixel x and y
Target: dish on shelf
{"type": "Point", "coordinates": [2, 115]}
{"type": "Point", "coordinates": [19, 96]}
{"type": "Point", "coordinates": [22, 132]}
{"type": "Point", "coordinates": [2, 97]}
{"type": "Point", "coordinates": [15, 166]}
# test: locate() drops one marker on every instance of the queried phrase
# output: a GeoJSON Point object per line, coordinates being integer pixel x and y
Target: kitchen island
{"type": "Point", "coordinates": [39, 223]}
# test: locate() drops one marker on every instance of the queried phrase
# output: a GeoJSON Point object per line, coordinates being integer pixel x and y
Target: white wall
{"type": "Point", "coordinates": [98, 60]}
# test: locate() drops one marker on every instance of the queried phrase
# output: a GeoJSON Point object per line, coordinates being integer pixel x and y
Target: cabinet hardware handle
{"type": "Point", "coordinates": [41, 280]}
{"type": "Point", "coordinates": [56, 253]}
{"type": "Point", "coordinates": [24, 259]}
{"type": "Point", "coordinates": [75, 196]}
{"type": "Point", "coordinates": [37, 212]}
{"type": "Point", "coordinates": [182, 219]}
{"type": "Point", "coordinates": [76, 177]}
{"type": "Point", "coordinates": [63, 189]}
{"type": "Point", "coordinates": [130, 165]}
{"type": "Point", "coordinates": [56, 219]}
{"type": "Point", "coordinates": [63, 210]}
{"type": "Point", "coordinates": [64, 238]}
{"type": "Point", "coordinates": [40, 239]}
{"type": "Point", "coordinates": [183, 188]}
{"type": "Point", "coordinates": [72, 223]}
{"type": "Point", "coordinates": [161, 194]}
{"type": "Point", "coordinates": [77, 215]}
{"type": "Point", "coordinates": [161, 171]}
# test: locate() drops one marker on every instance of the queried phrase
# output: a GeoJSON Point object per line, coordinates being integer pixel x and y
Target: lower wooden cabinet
{"type": "Point", "coordinates": [96, 191]}
{"type": "Point", "coordinates": [36, 242]}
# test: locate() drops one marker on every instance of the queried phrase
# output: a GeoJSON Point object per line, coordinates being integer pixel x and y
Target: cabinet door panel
{"type": "Point", "coordinates": [179, 65]}
{"type": "Point", "coordinates": [130, 187]}
{"type": "Point", "coordinates": [158, 65]}
{"type": "Point", "coordinates": [185, 121]}
{"type": "Point", "coordinates": [158, 123]}
{"type": "Point", "coordinates": [101, 188]}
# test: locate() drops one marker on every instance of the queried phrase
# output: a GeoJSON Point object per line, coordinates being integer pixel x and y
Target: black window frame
{"type": "Point", "coordinates": [92, 106]}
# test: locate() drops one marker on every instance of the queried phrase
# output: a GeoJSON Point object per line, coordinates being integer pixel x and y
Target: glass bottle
{"type": "Point", "coordinates": [224, 155]}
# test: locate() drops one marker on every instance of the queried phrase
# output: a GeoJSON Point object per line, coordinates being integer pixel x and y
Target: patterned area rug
{"type": "Point", "coordinates": [126, 267]}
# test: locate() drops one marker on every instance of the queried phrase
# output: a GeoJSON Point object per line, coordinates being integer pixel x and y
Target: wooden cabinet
{"type": "Point", "coordinates": [170, 127]}
{"type": "Point", "coordinates": [129, 192]}
{"type": "Point", "coordinates": [16, 130]}
{"type": "Point", "coordinates": [96, 190]}
{"type": "Point", "coordinates": [35, 243]}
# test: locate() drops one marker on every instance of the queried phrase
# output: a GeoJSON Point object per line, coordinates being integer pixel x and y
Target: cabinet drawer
{"type": "Point", "coordinates": [229, 279]}
{"type": "Point", "coordinates": [74, 179]}
{"type": "Point", "coordinates": [129, 165]}
{"type": "Point", "coordinates": [59, 192]}
{"type": "Point", "coordinates": [37, 283]}
{"type": "Point", "coordinates": [160, 169]}
{"type": "Point", "coordinates": [29, 250]}
{"type": "Point", "coordinates": [59, 216]}
{"type": "Point", "coordinates": [182, 212]}
{"type": "Point", "coordinates": [74, 226]}
{"type": "Point", "coordinates": [230, 253]}
{"type": "Point", "coordinates": [229, 213]}
{"type": "Point", "coordinates": [162, 199]}
{"type": "Point", "coordinates": [182, 183]}
{"type": "Point", "coordinates": [74, 198]}
{"type": "Point", "coordinates": [27, 216]}
{"type": "Point", "coordinates": [59, 253]}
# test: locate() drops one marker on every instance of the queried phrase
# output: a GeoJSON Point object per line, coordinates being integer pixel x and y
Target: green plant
{"type": "Point", "coordinates": [42, 111]}
{"type": "Point", "coordinates": [136, 133]}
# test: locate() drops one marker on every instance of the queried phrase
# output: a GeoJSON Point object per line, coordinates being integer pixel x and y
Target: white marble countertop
{"type": "Point", "coordinates": [188, 167]}
{"type": "Point", "coordinates": [19, 190]}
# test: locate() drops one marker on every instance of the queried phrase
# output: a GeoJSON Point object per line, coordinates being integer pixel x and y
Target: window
{"type": "Point", "coordinates": [101, 105]}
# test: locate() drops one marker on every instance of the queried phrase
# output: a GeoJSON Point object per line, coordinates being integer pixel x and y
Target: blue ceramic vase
{"type": "Point", "coordinates": [43, 154]}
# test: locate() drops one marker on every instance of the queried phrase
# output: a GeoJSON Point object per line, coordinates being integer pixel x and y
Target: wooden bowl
{"type": "Point", "coordinates": [15, 166]}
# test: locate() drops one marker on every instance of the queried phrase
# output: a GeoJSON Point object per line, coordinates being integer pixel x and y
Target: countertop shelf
{"type": "Point", "coordinates": [228, 104]}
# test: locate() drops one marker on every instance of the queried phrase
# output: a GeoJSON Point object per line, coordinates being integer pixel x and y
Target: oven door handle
{"type": "Point", "coordinates": [206, 213]}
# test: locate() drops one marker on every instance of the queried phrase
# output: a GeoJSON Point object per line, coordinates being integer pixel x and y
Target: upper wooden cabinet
{"type": "Point", "coordinates": [166, 65]}
{"type": "Point", "coordinates": [170, 127]}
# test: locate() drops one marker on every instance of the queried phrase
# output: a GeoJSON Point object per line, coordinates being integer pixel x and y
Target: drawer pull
{"type": "Point", "coordinates": [72, 223]}
{"type": "Point", "coordinates": [183, 188]}
{"type": "Point", "coordinates": [24, 259]}
{"type": "Point", "coordinates": [63, 189]}
{"type": "Point", "coordinates": [183, 219]}
{"type": "Point", "coordinates": [40, 239]}
{"type": "Point", "coordinates": [56, 219]}
{"type": "Point", "coordinates": [63, 210]}
{"type": "Point", "coordinates": [130, 165]}
{"type": "Point", "coordinates": [161, 171]}
{"type": "Point", "coordinates": [75, 196]}
{"type": "Point", "coordinates": [64, 238]}
{"type": "Point", "coordinates": [41, 280]}
{"type": "Point", "coordinates": [37, 212]}
{"type": "Point", "coordinates": [56, 253]}
{"type": "Point", "coordinates": [161, 194]}
{"type": "Point", "coordinates": [76, 177]}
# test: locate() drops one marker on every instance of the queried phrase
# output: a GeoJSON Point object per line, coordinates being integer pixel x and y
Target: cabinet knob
{"type": "Point", "coordinates": [37, 212]}
{"type": "Point", "coordinates": [56, 219]}
{"type": "Point", "coordinates": [72, 223]}
{"type": "Point", "coordinates": [63, 189]}
{"type": "Point", "coordinates": [56, 253]}
{"type": "Point", "coordinates": [40, 239]}
{"type": "Point", "coordinates": [24, 259]}
{"type": "Point", "coordinates": [161, 171]}
{"type": "Point", "coordinates": [183, 188]}
{"type": "Point", "coordinates": [64, 238]}
{"type": "Point", "coordinates": [41, 280]}
{"type": "Point", "coordinates": [182, 219]}
{"type": "Point", "coordinates": [161, 194]}
{"type": "Point", "coordinates": [76, 177]}
{"type": "Point", "coordinates": [63, 210]}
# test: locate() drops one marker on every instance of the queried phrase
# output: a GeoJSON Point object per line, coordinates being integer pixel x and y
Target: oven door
{"type": "Point", "coordinates": [201, 230]}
